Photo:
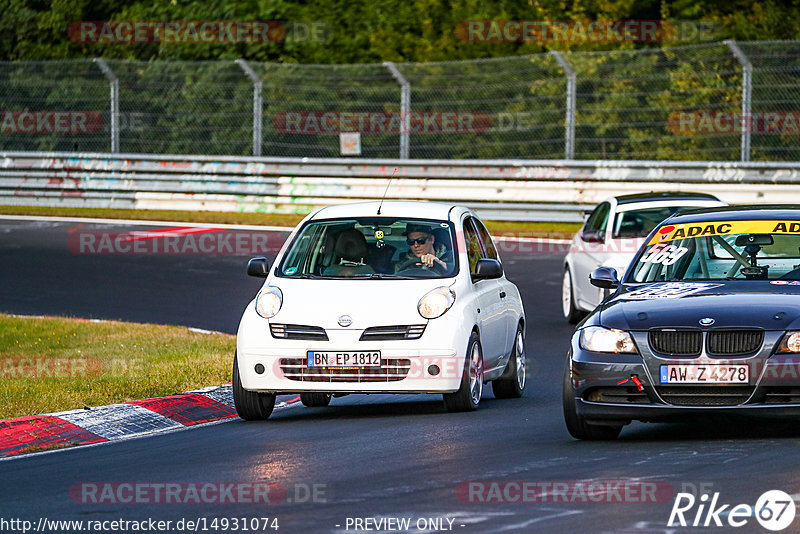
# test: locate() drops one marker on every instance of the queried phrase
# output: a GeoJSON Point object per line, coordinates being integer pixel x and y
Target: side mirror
{"type": "Point", "coordinates": [487, 268]}
{"type": "Point", "coordinates": [595, 236]}
{"type": "Point", "coordinates": [604, 277]}
{"type": "Point", "coordinates": [258, 267]}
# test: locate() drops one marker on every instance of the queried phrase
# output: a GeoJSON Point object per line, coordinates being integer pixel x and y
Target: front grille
{"type": "Point", "coordinates": [391, 370]}
{"type": "Point", "coordinates": [705, 395]}
{"type": "Point", "coordinates": [617, 395]}
{"type": "Point", "coordinates": [782, 395]}
{"type": "Point", "coordinates": [298, 331]}
{"type": "Point", "coordinates": [734, 342]}
{"type": "Point", "coordinates": [387, 333]}
{"type": "Point", "coordinates": [676, 342]}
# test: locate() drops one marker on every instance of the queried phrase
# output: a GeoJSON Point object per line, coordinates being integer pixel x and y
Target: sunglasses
{"type": "Point", "coordinates": [418, 241]}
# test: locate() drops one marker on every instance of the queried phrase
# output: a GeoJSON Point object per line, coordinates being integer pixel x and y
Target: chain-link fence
{"type": "Point", "coordinates": [720, 101]}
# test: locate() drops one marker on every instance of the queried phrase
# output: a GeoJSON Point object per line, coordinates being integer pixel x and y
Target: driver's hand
{"type": "Point", "coordinates": [429, 259]}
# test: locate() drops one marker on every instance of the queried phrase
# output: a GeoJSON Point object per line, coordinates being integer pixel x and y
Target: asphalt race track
{"type": "Point", "coordinates": [377, 456]}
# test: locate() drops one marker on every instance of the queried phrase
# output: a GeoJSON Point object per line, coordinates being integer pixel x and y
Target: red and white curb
{"type": "Point", "coordinates": [119, 421]}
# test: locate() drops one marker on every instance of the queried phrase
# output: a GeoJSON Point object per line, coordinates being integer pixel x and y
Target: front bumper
{"type": "Point", "coordinates": [605, 392]}
{"type": "Point", "coordinates": [405, 364]}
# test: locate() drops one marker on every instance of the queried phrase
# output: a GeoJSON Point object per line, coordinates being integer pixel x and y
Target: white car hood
{"type": "Point", "coordinates": [367, 302]}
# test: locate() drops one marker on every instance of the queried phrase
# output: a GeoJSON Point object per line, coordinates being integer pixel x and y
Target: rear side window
{"type": "Point", "coordinates": [473, 241]}
{"type": "Point", "coordinates": [486, 239]}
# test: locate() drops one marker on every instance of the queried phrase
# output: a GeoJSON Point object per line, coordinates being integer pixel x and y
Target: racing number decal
{"type": "Point", "coordinates": [664, 254]}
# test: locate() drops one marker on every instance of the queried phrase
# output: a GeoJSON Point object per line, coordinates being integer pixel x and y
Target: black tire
{"type": "Point", "coordinates": [576, 424]}
{"type": "Point", "coordinates": [511, 383]}
{"type": "Point", "coordinates": [250, 405]}
{"type": "Point", "coordinates": [571, 313]}
{"type": "Point", "coordinates": [468, 396]}
{"type": "Point", "coordinates": [315, 400]}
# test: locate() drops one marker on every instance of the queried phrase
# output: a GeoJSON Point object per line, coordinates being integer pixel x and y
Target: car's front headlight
{"type": "Point", "coordinates": [599, 339]}
{"type": "Point", "coordinates": [269, 301]}
{"type": "Point", "coordinates": [790, 344]}
{"type": "Point", "coordinates": [436, 302]}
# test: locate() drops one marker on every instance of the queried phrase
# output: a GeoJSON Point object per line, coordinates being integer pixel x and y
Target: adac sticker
{"type": "Point", "coordinates": [667, 290]}
{"type": "Point", "coordinates": [671, 232]}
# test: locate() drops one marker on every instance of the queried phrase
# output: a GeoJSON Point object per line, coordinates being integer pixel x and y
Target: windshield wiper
{"type": "Point", "coordinates": [380, 276]}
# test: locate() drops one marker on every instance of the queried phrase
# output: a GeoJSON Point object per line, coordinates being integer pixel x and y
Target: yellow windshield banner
{"type": "Point", "coordinates": [671, 232]}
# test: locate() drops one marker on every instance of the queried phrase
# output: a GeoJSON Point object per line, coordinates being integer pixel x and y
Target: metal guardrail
{"type": "Point", "coordinates": [541, 190]}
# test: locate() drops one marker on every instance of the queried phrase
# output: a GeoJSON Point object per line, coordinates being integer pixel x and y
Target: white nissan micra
{"type": "Point", "coordinates": [403, 297]}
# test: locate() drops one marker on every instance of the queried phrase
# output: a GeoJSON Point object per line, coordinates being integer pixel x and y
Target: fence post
{"type": "Point", "coordinates": [405, 108]}
{"type": "Point", "coordinates": [747, 89]}
{"type": "Point", "coordinates": [114, 83]}
{"type": "Point", "coordinates": [569, 135]}
{"type": "Point", "coordinates": [257, 104]}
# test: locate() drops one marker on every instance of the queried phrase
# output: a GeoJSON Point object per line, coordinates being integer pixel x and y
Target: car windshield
{"type": "Point", "coordinates": [371, 248]}
{"type": "Point", "coordinates": [639, 223]}
{"type": "Point", "coordinates": [732, 250]}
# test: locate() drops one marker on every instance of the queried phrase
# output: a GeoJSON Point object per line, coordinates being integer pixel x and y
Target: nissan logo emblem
{"type": "Point", "coordinates": [345, 320]}
{"type": "Point", "coordinates": [707, 321]}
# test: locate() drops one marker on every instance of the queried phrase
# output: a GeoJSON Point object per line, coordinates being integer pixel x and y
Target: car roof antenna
{"type": "Point", "coordinates": [386, 190]}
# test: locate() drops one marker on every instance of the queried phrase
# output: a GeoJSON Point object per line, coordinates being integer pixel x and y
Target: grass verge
{"type": "Point", "coordinates": [54, 364]}
{"type": "Point", "coordinates": [499, 228]}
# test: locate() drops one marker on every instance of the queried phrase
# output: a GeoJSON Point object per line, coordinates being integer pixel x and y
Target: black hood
{"type": "Point", "coordinates": [740, 303]}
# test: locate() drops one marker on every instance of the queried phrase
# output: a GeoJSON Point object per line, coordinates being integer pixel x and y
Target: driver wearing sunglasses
{"type": "Point", "coordinates": [423, 250]}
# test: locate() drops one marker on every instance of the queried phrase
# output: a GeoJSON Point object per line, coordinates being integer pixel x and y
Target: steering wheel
{"type": "Point", "coordinates": [413, 266]}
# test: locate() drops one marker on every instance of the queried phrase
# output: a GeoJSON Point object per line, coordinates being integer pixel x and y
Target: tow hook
{"type": "Point", "coordinates": [635, 380]}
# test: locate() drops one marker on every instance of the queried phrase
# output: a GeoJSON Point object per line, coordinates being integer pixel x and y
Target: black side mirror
{"type": "Point", "coordinates": [595, 236]}
{"type": "Point", "coordinates": [604, 277]}
{"type": "Point", "coordinates": [258, 267]}
{"type": "Point", "coordinates": [487, 268]}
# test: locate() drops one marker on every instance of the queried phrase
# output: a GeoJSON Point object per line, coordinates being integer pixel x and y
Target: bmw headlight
{"type": "Point", "coordinates": [436, 302]}
{"type": "Point", "coordinates": [269, 301]}
{"type": "Point", "coordinates": [599, 339]}
{"type": "Point", "coordinates": [790, 344]}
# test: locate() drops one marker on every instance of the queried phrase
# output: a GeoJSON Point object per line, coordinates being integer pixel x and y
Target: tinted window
{"type": "Point", "coordinates": [474, 251]}
{"type": "Point", "coordinates": [639, 223]}
{"type": "Point", "coordinates": [486, 239]}
{"type": "Point", "coordinates": [598, 220]}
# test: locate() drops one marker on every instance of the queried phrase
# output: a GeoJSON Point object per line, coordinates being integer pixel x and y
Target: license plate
{"type": "Point", "coordinates": [343, 358]}
{"type": "Point", "coordinates": [705, 374]}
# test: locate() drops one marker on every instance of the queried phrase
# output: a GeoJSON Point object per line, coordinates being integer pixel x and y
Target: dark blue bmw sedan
{"type": "Point", "coordinates": [706, 319]}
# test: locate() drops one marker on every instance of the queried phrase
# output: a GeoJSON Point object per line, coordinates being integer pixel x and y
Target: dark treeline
{"type": "Point", "coordinates": [359, 31]}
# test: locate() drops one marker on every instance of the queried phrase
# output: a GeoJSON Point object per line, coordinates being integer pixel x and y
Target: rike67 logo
{"type": "Point", "coordinates": [774, 510]}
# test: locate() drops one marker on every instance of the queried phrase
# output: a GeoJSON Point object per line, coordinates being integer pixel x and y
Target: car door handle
{"type": "Point", "coordinates": [502, 294]}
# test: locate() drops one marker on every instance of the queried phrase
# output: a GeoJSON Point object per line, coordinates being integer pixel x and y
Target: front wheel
{"type": "Point", "coordinates": [315, 400]}
{"type": "Point", "coordinates": [511, 383]}
{"type": "Point", "coordinates": [571, 313]}
{"type": "Point", "coordinates": [576, 424]}
{"type": "Point", "coordinates": [468, 396]}
{"type": "Point", "coordinates": [250, 405]}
